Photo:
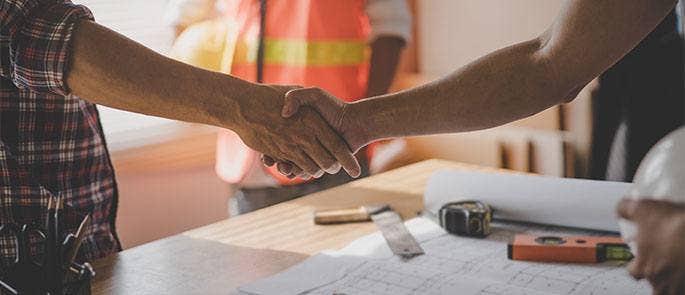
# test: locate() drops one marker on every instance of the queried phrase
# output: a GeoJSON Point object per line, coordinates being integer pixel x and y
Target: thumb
{"type": "Point", "coordinates": [296, 98]}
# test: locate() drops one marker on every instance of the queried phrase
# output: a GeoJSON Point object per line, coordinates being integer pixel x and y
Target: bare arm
{"type": "Point", "coordinates": [111, 70]}
{"type": "Point", "coordinates": [587, 37]}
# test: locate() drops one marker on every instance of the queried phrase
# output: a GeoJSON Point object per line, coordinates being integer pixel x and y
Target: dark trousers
{"type": "Point", "coordinates": [639, 101]}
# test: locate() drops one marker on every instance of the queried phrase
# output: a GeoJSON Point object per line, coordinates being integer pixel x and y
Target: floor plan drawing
{"type": "Point", "coordinates": [459, 265]}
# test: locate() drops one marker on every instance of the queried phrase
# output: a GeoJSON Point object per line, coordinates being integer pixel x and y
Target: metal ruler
{"type": "Point", "coordinates": [400, 241]}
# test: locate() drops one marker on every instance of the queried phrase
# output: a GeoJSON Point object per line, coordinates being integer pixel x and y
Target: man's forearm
{"type": "Point", "coordinates": [488, 92]}
{"type": "Point", "coordinates": [385, 55]}
{"type": "Point", "coordinates": [112, 70]}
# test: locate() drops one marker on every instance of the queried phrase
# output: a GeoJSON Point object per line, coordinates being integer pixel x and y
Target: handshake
{"type": "Point", "coordinates": [303, 142]}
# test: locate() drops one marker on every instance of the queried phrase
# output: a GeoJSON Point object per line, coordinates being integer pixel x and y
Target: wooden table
{"type": "Point", "coordinates": [219, 257]}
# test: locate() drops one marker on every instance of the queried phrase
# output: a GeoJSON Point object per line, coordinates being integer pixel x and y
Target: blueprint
{"type": "Point", "coordinates": [451, 265]}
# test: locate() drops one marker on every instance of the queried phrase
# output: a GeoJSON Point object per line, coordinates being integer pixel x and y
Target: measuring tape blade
{"type": "Point", "coordinates": [400, 241]}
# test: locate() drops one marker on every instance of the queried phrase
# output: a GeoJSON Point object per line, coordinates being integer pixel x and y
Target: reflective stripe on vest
{"type": "Point", "coordinates": [303, 52]}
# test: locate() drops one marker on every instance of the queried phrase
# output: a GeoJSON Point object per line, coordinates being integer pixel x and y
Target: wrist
{"type": "Point", "coordinates": [225, 104]}
{"type": "Point", "coordinates": [355, 125]}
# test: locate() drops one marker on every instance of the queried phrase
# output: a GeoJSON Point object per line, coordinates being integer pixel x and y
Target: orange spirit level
{"type": "Point", "coordinates": [577, 249]}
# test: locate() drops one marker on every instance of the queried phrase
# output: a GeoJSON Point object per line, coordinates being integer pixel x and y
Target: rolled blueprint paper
{"type": "Point", "coordinates": [580, 203]}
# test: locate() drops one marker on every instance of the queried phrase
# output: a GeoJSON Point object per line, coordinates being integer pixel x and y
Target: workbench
{"type": "Point", "coordinates": [217, 258]}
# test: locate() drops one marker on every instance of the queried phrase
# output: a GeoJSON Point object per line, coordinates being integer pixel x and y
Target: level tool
{"type": "Point", "coordinates": [578, 249]}
{"type": "Point", "coordinates": [466, 218]}
{"type": "Point", "coordinates": [399, 239]}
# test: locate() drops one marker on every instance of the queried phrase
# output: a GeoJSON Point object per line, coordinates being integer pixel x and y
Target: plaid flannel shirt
{"type": "Point", "coordinates": [51, 142]}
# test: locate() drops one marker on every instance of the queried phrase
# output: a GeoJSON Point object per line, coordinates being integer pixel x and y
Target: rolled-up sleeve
{"type": "Point", "coordinates": [35, 42]}
{"type": "Point", "coordinates": [389, 18]}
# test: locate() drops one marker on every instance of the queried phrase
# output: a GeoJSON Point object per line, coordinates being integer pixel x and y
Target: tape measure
{"type": "Point", "coordinates": [466, 218]}
{"type": "Point", "coordinates": [578, 249]}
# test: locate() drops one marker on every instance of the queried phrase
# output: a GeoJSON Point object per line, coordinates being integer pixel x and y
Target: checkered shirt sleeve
{"type": "Point", "coordinates": [37, 34]}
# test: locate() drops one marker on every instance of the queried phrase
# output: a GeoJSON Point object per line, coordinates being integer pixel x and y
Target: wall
{"type": "Point", "coordinates": [452, 33]}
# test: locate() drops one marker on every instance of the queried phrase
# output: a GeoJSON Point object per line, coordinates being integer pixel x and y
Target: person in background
{"type": "Point", "coordinates": [587, 38]}
{"type": "Point", "coordinates": [321, 43]}
{"type": "Point", "coordinates": [56, 64]}
{"type": "Point", "coordinates": [637, 102]}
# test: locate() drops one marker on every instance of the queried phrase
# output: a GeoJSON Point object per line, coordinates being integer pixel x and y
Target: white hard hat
{"type": "Point", "coordinates": [660, 176]}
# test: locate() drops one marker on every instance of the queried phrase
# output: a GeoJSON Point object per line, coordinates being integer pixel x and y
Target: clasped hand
{"type": "Point", "coordinates": [303, 145]}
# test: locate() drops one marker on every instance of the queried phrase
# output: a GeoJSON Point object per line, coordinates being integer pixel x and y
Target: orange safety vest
{"type": "Point", "coordinates": [312, 43]}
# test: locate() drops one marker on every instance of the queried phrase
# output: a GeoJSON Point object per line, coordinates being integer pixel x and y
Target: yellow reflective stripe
{"type": "Point", "coordinates": [302, 52]}
{"type": "Point", "coordinates": [316, 53]}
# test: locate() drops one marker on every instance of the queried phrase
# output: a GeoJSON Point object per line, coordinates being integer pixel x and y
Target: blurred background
{"type": "Point", "coordinates": [166, 169]}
